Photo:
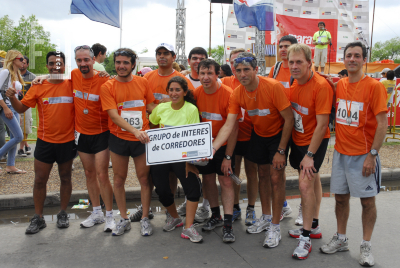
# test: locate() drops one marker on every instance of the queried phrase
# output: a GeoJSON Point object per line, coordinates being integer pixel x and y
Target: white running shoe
{"type": "Point", "coordinates": [272, 237]}
{"type": "Point", "coordinates": [261, 225]}
{"type": "Point", "coordinates": [303, 248]}
{"type": "Point", "coordinates": [202, 214]}
{"type": "Point", "coordinates": [110, 224]}
{"type": "Point", "coordinates": [299, 220]}
{"type": "Point", "coordinates": [94, 218]}
{"type": "Point", "coordinates": [366, 258]}
{"type": "Point", "coordinates": [181, 209]}
{"type": "Point", "coordinates": [335, 245]}
{"type": "Point", "coordinates": [145, 227]}
{"type": "Point", "coordinates": [286, 211]}
{"type": "Point", "coordinates": [121, 226]}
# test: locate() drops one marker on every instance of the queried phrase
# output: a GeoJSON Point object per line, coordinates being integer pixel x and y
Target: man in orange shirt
{"type": "Point", "coordinates": [212, 100]}
{"type": "Point", "coordinates": [55, 141]}
{"type": "Point", "coordinates": [241, 149]}
{"type": "Point", "coordinates": [311, 99]}
{"type": "Point", "coordinates": [361, 124]}
{"type": "Point", "coordinates": [269, 109]}
{"type": "Point", "coordinates": [126, 100]}
{"type": "Point", "coordinates": [281, 73]}
{"type": "Point", "coordinates": [91, 136]}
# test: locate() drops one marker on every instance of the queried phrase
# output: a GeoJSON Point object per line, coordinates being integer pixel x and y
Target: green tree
{"type": "Point", "coordinates": [109, 63]}
{"type": "Point", "coordinates": [218, 54]}
{"type": "Point", "coordinates": [23, 37]}
{"type": "Point", "coordinates": [389, 49]}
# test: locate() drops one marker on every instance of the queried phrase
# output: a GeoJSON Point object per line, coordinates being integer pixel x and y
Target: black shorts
{"type": "Point", "coordinates": [297, 154]}
{"type": "Point", "coordinates": [49, 153]}
{"type": "Point", "coordinates": [262, 150]}
{"type": "Point", "coordinates": [214, 165]}
{"type": "Point", "coordinates": [124, 147]}
{"type": "Point", "coordinates": [242, 148]}
{"type": "Point", "coordinates": [92, 144]}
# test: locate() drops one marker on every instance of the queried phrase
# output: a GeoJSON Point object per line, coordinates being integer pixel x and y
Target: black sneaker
{"type": "Point", "coordinates": [21, 153]}
{"type": "Point", "coordinates": [28, 150]}
{"type": "Point", "coordinates": [212, 223]}
{"type": "Point", "coordinates": [36, 224]}
{"type": "Point", "coordinates": [227, 235]}
{"type": "Point", "coordinates": [62, 219]}
{"type": "Point", "coordinates": [137, 216]}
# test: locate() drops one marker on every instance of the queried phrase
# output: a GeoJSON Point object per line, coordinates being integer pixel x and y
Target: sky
{"type": "Point", "coordinates": [146, 23]}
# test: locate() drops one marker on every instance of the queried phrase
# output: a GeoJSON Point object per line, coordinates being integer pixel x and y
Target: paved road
{"type": "Point", "coordinates": [77, 247]}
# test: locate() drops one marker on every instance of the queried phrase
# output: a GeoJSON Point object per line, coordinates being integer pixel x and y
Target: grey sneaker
{"type": "Point", "coordinates": [335, 245]}
{"type": "Point", "coordinates": [94, 218]}
{"type": "Point", "coordinates": [145, 227]}
{"type": "Point", "coordinates": [250, 216]}
{"type": "Point", "coordinates": [182, 209]}
{"type": "Point", "coordinates": [172, 223]}
{"type": "Point", "coordinates": [212, 223]}
{"type": "Point", "coordinates": [62, 219]}
{"type": "Point", "coordinates": [37, 223]}
{"type": "Point", "coordinates": [121, 226]}
{"type": "Point", "coordinates": [192, 234]}
{"type": "Point", "coordinates": [137, 216]}
{"type": "Point", "coordinates": [303, 248]}
{"type": "Point", "coordinates": [202, 214]}
{"type": "Point", "coordinates": [272, 238]}
{"type": "Point", "coordinates": [299, 220]}
{"type": "Point", "coordinates": [315, 233]}
{"type": "Point", "coordinates": [260, 225]}
{"type": "Point", "coordinates": [286, 211]}
{"type": "Point", "coordinates": [366, 258]}
{"type": "Point", "coordinates": [227, 235]}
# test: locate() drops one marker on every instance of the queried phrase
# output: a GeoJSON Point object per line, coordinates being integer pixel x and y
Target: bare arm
{"type": "Point", "coordinates": [119, 121]}
{"type": "Point", "coordinates": [225, 131]}
{"type": "Point", "coordinates": [150, 107]}
{"type": "Point", "coordinates": [279, 160]}
{"type": "Point", "coordinates": [226, 166]}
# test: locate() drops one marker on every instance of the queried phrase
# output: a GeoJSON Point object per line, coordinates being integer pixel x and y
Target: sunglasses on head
{"type": "Point", "coordinates": [123, 53]}
{"type": "Point", "coordinates": [83, 47]}
{"type": "Point", "coordinates": [246, 59]}
{"type": "Point", "coordinates": [21, 59]}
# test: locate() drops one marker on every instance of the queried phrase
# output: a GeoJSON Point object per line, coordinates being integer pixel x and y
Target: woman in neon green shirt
{"type": "Point", "coordinates": [181, 110]}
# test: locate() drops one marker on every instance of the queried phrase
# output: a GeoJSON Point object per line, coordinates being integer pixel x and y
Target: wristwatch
{"type": "Point", "coordinates": [374, 152]}
{"type": "Point", "coordinates": [310, 154]}
{"type": "Point", "coordinates": [281, 151]}
{"type": "Point", "coordinates": [228, 157]}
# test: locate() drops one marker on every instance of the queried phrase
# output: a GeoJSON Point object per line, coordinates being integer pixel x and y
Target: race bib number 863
{"type": "Point", "coordinates": [134, 118]}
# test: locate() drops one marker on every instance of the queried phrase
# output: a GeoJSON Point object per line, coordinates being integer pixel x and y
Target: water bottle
{"type": "Point", "coordinates": [235, 178]}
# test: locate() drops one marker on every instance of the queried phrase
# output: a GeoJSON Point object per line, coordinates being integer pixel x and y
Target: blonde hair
{"type": "Point", "coordinates": [9, 65]}
{"type": "Point", "coordinates": [297, 48]}
{"type": "Point", "coordinates": [175, 65]}
{"type": "Point", "coordinates": [237, 50]}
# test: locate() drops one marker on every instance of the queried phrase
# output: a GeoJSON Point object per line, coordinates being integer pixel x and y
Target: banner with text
{"type": "Point", "coordinates": [178, 144]}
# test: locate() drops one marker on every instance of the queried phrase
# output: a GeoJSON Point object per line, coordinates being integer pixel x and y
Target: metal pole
{"type": "Point", "coordinates": [372, 32]}
{"type": "Point", "coordinates": [120, 24]}
{"type": "Point", "coordinates": [209, 47]}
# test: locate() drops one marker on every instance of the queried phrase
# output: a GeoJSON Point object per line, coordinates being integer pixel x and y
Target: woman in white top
{"type": "Point", "coordinates": [10, 77]}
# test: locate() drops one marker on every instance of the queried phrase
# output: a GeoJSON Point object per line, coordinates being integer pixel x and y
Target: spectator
{"type": "Point", "coordinates": [3, 159]}
{"type": "Point", "coordinates": [144, 71]}
{"type": "Point", "coordinates": [389, 84]}
{"type": "Point", "coordinates": [225, 71]}
{"type": "Point", "coordinates": [343, 74]}
{"type": "Point", "coordinates": [99, 55]}
{"type": "Point", "coordinates": [175, 65]}
{"type": "Point", "coordinates": [26, 118]}
{"type": "Point", "coordinates": [10, 77]}
{"type": "Point", "coordinates": [183, 68]}
{"type": "Point", "coordinates": [384, 73]}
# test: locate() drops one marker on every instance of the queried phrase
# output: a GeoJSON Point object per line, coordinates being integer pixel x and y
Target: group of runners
{"type": "Point", "coordinates": [252, 117]}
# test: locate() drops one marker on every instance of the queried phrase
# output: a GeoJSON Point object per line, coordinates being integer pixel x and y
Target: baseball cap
{"type": "Point", "coordinates": [145, 70]}
{"type": "Point", "coordinates": [3, 54]}
{"type": "Point", "coordinates": [385, 70]}
{"type": "Point", "coordinates": [167, 46]}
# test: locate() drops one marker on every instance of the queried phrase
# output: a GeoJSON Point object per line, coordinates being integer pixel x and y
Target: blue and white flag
{"type": "Point", "coordinates": [259, 13]}
{"type": "Point", "coordinates": [105, 11]}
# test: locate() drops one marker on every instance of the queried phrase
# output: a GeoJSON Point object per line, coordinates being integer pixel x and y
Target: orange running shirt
{"type": "Point", "coordinates": [125, 97]}
{"type": "Point", "coordinates": [158, 84]}
{"type": "Point", "coordinates": [369, 100]}
{"type": "Point", "coordinates": [283, 77]}
{"type": "Point", "coordinates": [56, 110]}
{"type": "Point", "coordinates": [263, 106]}
{"type": "Point", "coordinates": [96, 121]}
{"type": "Point", "coordinates": [213, 107]}
{"type": "Point", "coordinates": [309, 100]}
{"type": "Point", "coordinates": [245, 126]}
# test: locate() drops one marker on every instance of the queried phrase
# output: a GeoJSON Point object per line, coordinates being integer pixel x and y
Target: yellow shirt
{"type": "Point", "coordinates": [389, 85]}
{"type": "Point", "coordinates": [322, 37]}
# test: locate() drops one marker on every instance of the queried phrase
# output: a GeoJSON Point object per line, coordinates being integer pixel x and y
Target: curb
{"type": "Point", "coordinates": [133, 193]}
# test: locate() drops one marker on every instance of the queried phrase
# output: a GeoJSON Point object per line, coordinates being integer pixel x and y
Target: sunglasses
{"type": "Point", "coordinates": [123, 53]}
{"type": "Point", "coordinates": [21, 59]}
{"type": "Point", "coordinates": [284, 46]}
{"type": "Point", "coordinates": [246, 59]}
{"type": "Point", "coordinates": [83, 47]}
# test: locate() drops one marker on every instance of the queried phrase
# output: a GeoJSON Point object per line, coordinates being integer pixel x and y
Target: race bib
{"type": "Point", "coordinates": [319, 39]}
{"type": "Point", "coordinates": [341, 114]}
{"type": "Point", "coordinates": [242, 118]}
{"type": "Point", "coordinates": [77, 134]}
{"type": "Point", "coordinates": [134, 118]}
{"type": "Point", "coordinates": [298, 122]}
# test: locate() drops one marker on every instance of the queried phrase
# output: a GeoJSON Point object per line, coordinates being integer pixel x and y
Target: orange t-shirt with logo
{"type": "Point", "coordinates": [309, 100]}
{"type": "Point", "coordinates": [245, 126]}
{"type": "Point", "coordinates": [371, 99]}
{"type": "Point", "coordinates": [87, 96]}
{"type": "Point", "coordinates": [263, 106]}
{"type": "Point", "coordinates": [213, 107]}
{"type": "Point", "coordinates": [283, 77]}
{"type": "Point", "coordinates": [158, 84]}
{"type": "Point", "coordinates": [56, 110]}
{"type": "Point", "coordinates": [130, 100]}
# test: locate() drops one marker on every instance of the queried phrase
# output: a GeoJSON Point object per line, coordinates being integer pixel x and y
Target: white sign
{"type": "Point", "coordinates": [178, 144]}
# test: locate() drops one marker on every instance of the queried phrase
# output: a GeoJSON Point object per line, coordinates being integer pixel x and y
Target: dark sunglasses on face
{"type": "Point", "coordinates": [246, 59]}
{"type": "Point", "coordinates": [84, 47]}
{"type": "Point", "coordinates": [21, 59]}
